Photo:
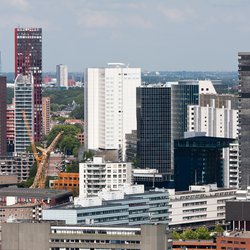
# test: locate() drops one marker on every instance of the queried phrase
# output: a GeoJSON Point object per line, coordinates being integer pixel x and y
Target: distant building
{"type": "Point", "coordinates": [62, 75]}
{"type": "Point", "coordinates": [57, 237]}
{"type": "Point", "coordinates": [3, 107]}
{"type": "Point", "coordinates": [198, 160]}
{"type": "Point", "coordinates": [110, 106]}
{"type": "Point", "coordinates": [28, 60]}
{"type": "Point", "coordinates": [46, 115]}
{"type": "Point", "coordinates": [200, 205]}
{"type": "Point", "coordinates": [131, 147]}
{"type": "Point", "coordinates": [23, 103]}
{"type": "Point", "coordinates": [98, 174]}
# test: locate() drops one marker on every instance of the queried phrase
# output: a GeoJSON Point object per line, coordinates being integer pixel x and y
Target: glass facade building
{"type": "Point", "coordinates": [198, 161]}
{"type": "Point", "coordinates": [154, 129]}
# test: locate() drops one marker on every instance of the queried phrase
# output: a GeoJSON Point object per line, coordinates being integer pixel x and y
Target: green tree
{"type": "Point", "coordinates": [219, 229]}
{"type": "Point", "coordinates": [77, 113]}
{"type": "Point", "coordinates": [189, 234]}
{"type": "Point", "coordinates": [176, 235]}
{"type": "Point", "coordinates": [203, 233]}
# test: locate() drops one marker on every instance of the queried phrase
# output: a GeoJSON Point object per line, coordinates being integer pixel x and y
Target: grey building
{"type": "Point", "coordinates": [134, 209]}
{"type": "Point", "coordinates": [44, 236]}
{"type": "Point", "coordinates": [244, 117]}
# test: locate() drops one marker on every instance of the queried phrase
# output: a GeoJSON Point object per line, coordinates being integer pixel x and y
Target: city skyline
{"type": "Point", "coordinates": [153, 35]}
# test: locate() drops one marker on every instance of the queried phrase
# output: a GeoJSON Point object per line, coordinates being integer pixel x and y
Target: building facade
{"type": "Point", "coordinates": [98, 174]}
{"type": "Point", "coordinates": [154, 129]}
{"type": "Point", "coordinates": [10, 123]}
{"type": "Point", "coordinates": [244, 117]}
{"type": "Point", "coordinates": [115, 208]}
{"type": "Point", "coordinates": [61, 237]}
{"type": "Point", "coordinates": [198, 206]}
{"type": "Point", "coordinates": [28, 58]}
{"type": "Point", "coordinates": [3, 108]}
{"type": "Point", "coordinates": [62, 75]}
{"type": "Point", "coordinates": [19, 165]}
{"type": "Point", "coordinates": [110, 106]}
{"type": "Point", "coordinates": [46, 115]}
{"type": "Point", "coordinates": [199, 161]}
{"type": "Point", "coordinates": [23, 103]}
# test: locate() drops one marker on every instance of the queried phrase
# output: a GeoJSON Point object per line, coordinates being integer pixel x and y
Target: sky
{"type": "Point", "coordinates": [191, 35]}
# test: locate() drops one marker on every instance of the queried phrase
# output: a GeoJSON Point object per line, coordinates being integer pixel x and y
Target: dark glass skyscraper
{"type": "Point", "coordinates": [154, 130]}
{"type": "Point", "coordinates": [3, 108]}
{"type": "Point", "coordinates": [244, 117]}
{"type": "Point", "coordinates": [28, 58]}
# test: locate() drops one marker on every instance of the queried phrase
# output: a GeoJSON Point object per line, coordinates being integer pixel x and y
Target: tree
{"type": "Point", "coordinates": [88, 155]}
{"type": "Point", "coordinates": [188, 234]}
{"type": "Point", "coordinates": [219, 229]}
{"type": "Point", "coordinates": [77, 113]}
{"type": "Point", "coordinates": [176, 235]}
{"type": "Point", "coordinates": [203, 233]}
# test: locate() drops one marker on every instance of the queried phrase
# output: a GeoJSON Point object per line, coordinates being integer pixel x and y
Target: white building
{"type": "Point", "coordinates": [62, 75]}
{"type": "Point", "coordinates": [216, 122]}
{"type": "Point", "coordinates": [23, 96]}
{"type": "Point", "coordinates": [198, 206]}
{"type": "Point", "coordinates": [110, 106]}
{"type": "Point", "coordinates": [98, 174]}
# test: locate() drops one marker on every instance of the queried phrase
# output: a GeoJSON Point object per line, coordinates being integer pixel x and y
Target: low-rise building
{"type": "Point", "coordinates": [201, 205]}
{"type": "Point", "coordinates": [66, 181]}
{"type": "Point", "coordinates": [130, 206]}
{"type": "Point", "coordinates": [17, 236]}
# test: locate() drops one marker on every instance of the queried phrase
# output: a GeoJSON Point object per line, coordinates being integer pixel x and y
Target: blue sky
{"type": "Point", "coordinates": [151, 34]}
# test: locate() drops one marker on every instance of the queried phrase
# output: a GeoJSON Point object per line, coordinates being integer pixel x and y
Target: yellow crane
{"type": "Point", "coordinates": [41, 160]}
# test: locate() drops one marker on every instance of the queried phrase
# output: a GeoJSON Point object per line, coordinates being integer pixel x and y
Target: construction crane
{"type": "Point", "coordinates": [41, 160]}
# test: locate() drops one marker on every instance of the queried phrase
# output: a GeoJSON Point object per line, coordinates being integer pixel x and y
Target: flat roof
{"type": "Point", "coordinates": [33, 192]}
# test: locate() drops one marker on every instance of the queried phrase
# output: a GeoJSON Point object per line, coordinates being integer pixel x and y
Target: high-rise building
{"type": "Point", "coordinates": [244, 117]}
{"type": "Point", "coordinates": [62, 75]}
{"type": "Point", "coordinates": [161, 119]}
{"type": "Point", "coordinates": [3, 107]}
{"type": "Point", "coordinates": [10, 123]}
{"type": "Point", "coordinates": [154, 129]}
{"type": "Point", "coordinates": [23, 103]}
{"type": "Point", "coordinates": [28, 58]}
{"type": "Point", "coordinates": [110, 106]}
{"type": "Point", "coordinates": [46, 114]}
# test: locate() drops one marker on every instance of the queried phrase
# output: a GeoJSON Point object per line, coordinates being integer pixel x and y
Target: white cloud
{"type": "Point", "coordinates": [18, 4]}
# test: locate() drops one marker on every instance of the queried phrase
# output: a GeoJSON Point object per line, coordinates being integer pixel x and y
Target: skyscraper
{"type": "Point", "coordinates": [244, 117]}
{"type": "Point", "coordinates": [46, 115]}
{"type": "Point", "coordinates": [154, 130]}
{"type": "Point", "coordinates": [62, 75]}
{"type": "Point", "coordinates": [3, 107]}
{"type": "Point", "coordinates": [23, 102]}
{"type": "Point", "coordinates": [110, 106]}
{"type": "Point", "coordinates": [28, 58]}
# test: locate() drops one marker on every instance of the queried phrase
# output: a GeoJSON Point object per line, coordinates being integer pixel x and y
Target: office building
{"type": "Point", "coordinates": [28, 58]}
{"type": "Point", "coordinates": [98, 174]}
{"type": "Point", "coordinates": [10, 127]}
{"type": "Point", "coordinates": [110, 106]}
{"type": "Point", "coordinates": [199, 206]}
{"type": "Point", "coordinates": [23, 93]}
{"type": "Point", "coordinates": [244, 117]}
{"type": "Point", "coordinates": [198, 160]}
{"type": "Point", "coordinates": [154, 129]}
{"type": "Point", "coordinates": [16, 236]}
{"type": "Point", "coordinates": [131, 147]}
{"type": "Point", "coordinates": [46, 115]}
{"type": "Point", "coordinates": [161, 119]}
{"type": "Point", "coordinates": [3, 107]}
{"type": "Point", "coordinates": [62, 75]}
{"type": "Point", "coordinates": [127, 206]}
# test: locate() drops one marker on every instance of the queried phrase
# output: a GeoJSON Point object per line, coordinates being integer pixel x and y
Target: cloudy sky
{"type": "Point", "coordinates": [152, 34]}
